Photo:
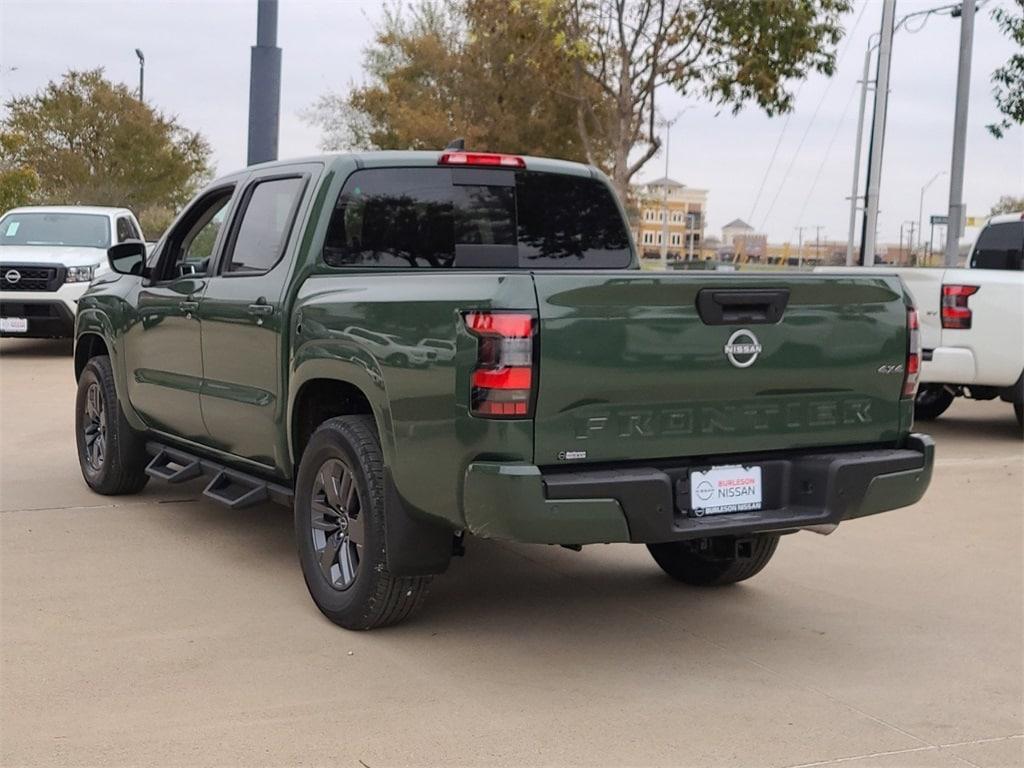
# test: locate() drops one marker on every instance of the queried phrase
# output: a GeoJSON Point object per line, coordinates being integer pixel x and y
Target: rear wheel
{"type": "Point", "coordinates": [931, 401]}
{"type": "Point", "coordinates": [340, 529]}
{"type": "Point", "coordinates": [111, 454]}
{"type": "Point", "coordinates": [715, 561]}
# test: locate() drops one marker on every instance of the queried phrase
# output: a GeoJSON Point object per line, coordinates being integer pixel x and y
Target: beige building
{"type": "Point", "coordinates": [686, 208]}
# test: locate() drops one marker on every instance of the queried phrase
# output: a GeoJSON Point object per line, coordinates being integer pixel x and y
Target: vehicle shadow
{"type": "Point", "coordinates": [996, 425]}
{"type": "Point", "coordinates": [36, 347]}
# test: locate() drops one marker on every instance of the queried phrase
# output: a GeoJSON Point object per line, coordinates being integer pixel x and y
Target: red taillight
{"type": "Point", "coordinates": [955, 312]}
{"type": "Point", "coordinates": [491, 159]}
{"type": "Point", "coordinates": [912, 368]}
{"type": "Point", "coordinates": [502, 382]}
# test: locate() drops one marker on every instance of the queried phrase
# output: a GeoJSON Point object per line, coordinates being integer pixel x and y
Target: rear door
{"type": "Point", "coordinates": [243, 326]}
{"type": "Point", "coordinates": [637, 366]}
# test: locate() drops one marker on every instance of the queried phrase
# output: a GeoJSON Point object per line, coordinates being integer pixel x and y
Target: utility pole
{"type": "Point", "coordinates": [920, 205]}
{"type": "Point", "coordinates": [957, 211]}
{"type": "Point", "coordinates": [868, 238]}
{"type": "Point", "coordinates": [854, 196]}
{"type": "Point", "coordinates": [264, 86]}
{"type": "Point", "coordinates": [142, 71]}
{"type": "Point", "coordinates": [664, 196]}
{"type": "Point", "coordinates": [800, 246]}
{"type": "Point", "coordinates": [817, 241]}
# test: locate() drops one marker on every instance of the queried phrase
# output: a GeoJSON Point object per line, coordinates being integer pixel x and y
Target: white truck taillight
{"type": "Point", "coordinates": [912, 369]}
{"type": "Point", "coordinates": [955, 312]}
{"type": "Point", "coordinates": [502, 381]}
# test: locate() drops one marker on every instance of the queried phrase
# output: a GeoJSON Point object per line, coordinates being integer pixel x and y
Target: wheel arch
{"type": "Point", "coordinates": [87, 346]}
{"type": "Point", "coordinates": [325, 391]}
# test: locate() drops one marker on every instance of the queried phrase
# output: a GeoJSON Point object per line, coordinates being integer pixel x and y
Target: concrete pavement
{"type": "Point", "coordinates": [163, 630]}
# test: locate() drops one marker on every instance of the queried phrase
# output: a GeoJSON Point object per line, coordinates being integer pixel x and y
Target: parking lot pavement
{"type": "Point", "coordinates": [163, 629]}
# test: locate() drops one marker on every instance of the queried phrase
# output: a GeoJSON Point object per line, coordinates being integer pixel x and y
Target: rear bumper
{"type": "Point", "coordinates": [948, 365]}
{"type": "Point", "coordinates": [649, 504]}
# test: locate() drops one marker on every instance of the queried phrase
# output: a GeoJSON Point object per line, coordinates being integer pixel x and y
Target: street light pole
{"type": "Point", "coordinates": [264, 86]}
{"type": "Point", "coordinates": [142, 71]}
{"type": "Point", "coordinates": [664, 196]}
{"type": "Point", "coordinates": [957, 213]}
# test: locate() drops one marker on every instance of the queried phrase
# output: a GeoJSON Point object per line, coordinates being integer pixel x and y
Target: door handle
{"type": "Point", "coordinates": [188, 306]}
{"type": "Point", "coordinates": [261, 310]}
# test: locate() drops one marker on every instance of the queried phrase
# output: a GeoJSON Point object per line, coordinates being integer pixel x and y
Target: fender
{"type": "Point", "coordinates": [90, 320]}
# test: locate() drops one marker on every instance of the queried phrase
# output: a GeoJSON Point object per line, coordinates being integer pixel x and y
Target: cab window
{"type": "Point", "coordinates": [190, 245]}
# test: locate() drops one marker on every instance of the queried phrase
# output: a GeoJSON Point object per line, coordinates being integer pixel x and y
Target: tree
{"type": "Point", "coordinates": [1007, 204]}
{"type": "Point", "coordinates": [18, 183]}
{"type": "Point", "coordinates": [1008, 80]}
{"type": "Point", "coordinates": [493, 72]}
{"type": "Point", "coordinates": [91, 141]}
{"type": "Point", "coordinates": [728, 52]}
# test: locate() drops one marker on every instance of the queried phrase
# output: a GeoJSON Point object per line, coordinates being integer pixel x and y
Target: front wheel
{"type": "Point", "coordinates": [931, 401]}
{"type": "Point", "coordinates": [715, 561]}
{"type": "Point", "coordinates": [340, 529]}
{"type": "Point", "coordinates": [111, 454]}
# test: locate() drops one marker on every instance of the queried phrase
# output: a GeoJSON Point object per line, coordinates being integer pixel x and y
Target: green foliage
{"type": "Point", "coordinates": [155, 220]}
{"type": "Point", "coordinates": [1008, 80]}
{"type": "Point", "coordinates": [490, 71]}
{"type": "Point", "coordinates": [18, 183]}
{"type": "Point", "coordinates": [91, 141]}
{"type": "Point", "coordinates": [1007, 204]}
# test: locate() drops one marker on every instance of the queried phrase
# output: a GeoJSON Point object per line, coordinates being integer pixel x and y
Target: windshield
{"type": "Point", "coordinates": [83, 230]}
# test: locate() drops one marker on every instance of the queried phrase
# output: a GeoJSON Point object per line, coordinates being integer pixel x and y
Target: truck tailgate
{"type": "Point", "coordinates": [629, 368]}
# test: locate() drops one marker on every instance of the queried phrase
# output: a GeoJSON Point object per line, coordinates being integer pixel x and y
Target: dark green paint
{"type": "Point", "coordinates": [624, 347]}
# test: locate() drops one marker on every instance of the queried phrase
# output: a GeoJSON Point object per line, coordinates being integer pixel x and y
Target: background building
{"type": "Point", "coordinates": [686, 208]}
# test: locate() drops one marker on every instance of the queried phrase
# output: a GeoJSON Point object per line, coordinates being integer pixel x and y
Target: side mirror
{"type": "Point", "coordinates": [128, 258]}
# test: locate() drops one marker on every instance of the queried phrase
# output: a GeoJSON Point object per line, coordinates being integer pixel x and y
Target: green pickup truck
{"type": "Point", "coordinates": [407, 347]}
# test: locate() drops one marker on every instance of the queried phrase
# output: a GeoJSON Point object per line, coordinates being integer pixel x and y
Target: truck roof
{"type": "Point", "coordinates": [1005, 218]}
{"type": "Point", "coordinates": [93, 209]}
{"type": "Point", "coordinates": [419, 158]}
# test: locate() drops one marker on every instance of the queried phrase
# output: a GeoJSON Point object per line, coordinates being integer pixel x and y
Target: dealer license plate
{"type": "Point", "coordinates": [14, 324]}
{"type": "Point", "coordinates": [718, 490]}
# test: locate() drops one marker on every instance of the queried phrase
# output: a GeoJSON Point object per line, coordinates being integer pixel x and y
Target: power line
{"type": "Point", "coordinates": [828, 150]}
{"type": "Point", "coordinates": [810, 124]}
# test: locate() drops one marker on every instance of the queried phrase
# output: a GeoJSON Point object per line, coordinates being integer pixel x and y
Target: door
{"type": "Point", "coordinates": [163, 353]}
{"type": "Point", "coordinates": [243, 326]}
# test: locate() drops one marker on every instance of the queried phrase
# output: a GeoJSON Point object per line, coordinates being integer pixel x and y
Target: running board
{"type": "Point", "coordinates": [229, 486]}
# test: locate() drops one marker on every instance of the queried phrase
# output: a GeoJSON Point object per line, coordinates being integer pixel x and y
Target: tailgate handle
{"type": "Point", "coordinates": [717, 306]}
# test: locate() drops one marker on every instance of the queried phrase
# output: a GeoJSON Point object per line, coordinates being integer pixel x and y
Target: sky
{"type": "Point", "coordinates": [197, 68]}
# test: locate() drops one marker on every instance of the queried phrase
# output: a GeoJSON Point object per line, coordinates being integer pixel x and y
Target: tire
{"type": "Point", "coordinates": [931, 401]}
{"type": "Point", "coordinates": [111, 454]}
{"type": "Point", "coordinates": [693, 562]}
{"type": "Point", "coordinates": [1018, 411]}
{"type": "Point", "coordinates": [339, 506]}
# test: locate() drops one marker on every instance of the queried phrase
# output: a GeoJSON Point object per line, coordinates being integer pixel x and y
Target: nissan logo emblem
{"type": "Point", "coordinates": [742, 348]}
{"type": "Point", "coordinates": [12, 276]}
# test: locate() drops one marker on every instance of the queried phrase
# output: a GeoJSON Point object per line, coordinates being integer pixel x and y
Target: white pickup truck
{"type": "Point", "coordinates": [48, 257]}
{"type": "Point", "coordinates": [972, 321]}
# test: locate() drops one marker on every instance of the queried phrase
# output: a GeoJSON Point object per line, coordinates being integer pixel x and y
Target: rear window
{"type": "Point", "coordinates": [475, 218]}
{"type": "Point", "coordinates": [83, 230]}
{"type": "Point", "coordinates": [1000, 246]}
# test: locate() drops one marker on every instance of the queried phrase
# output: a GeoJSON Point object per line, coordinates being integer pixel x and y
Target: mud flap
{"type": "Point", "coordinates": [416, 546]}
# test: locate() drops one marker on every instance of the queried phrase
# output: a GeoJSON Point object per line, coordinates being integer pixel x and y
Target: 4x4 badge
{"type": "Point", "coordinates": [742, 348]}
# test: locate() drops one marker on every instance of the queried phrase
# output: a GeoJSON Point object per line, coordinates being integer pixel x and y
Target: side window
{"type": "Point", "coordinates": [136, 234]}
{"type": "Point", "coordinates": [189, 246]}
{"type": "Point", "coordinates": [124, 229]}
{"type": "Point", "coordinates": [265, 226]}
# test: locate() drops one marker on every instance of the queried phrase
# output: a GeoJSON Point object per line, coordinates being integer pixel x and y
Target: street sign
{"type": "Point", "coordinates": [940, 220]}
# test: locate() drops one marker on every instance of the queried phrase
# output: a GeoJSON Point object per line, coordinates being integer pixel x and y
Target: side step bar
{"type": "Point", "coordinates": [229, 486]}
